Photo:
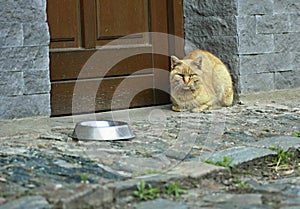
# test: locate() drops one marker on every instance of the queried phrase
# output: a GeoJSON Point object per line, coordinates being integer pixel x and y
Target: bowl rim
{"type": "Point", "coordinates": [97, 123]}
{"type": "Point", "coordinates": [112, 125]}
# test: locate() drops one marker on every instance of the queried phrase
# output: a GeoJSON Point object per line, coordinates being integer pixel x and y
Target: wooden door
{"type": "Point", "coordinates": [100, 46]}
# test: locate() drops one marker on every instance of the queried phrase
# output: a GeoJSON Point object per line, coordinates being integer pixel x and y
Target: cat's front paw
{"type": "Point", "coordinates": [200, 109]}
{"type": "Point", "coordinates": [177, 108]}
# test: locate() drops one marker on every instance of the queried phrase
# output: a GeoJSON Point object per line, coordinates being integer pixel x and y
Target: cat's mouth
{"type": "Point", "coordinates": [186, 88]}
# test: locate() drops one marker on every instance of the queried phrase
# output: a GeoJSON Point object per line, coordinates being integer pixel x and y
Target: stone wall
{"type": "Point", "coordinates": [269, 44]}
{"type": "Point", "coordinates": [258, 39]}
{"type": "Point", "coordinates": [24, 59]}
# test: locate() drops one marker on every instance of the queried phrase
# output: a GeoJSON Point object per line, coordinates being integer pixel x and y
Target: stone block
{"type": "Point", "coordinates": [36, 34]}
{"type": "Point", "coordinates": [257, 82]}
{"type": "Point", "coordinates": [240, 155]}
{"type": "Point", "coordinates": [160, 203]}
{"type": "Point", "coordinates": [210, 7]}
{"type": "Point", "coordinates": [286, 6]}
{"type": "Point", "coordinates": [285, 142]}
{"type": "Point", "coordinates": [136, 165]}
{"type": "Point", "coordinates": [287, 42]}
{"type": "Point", "coordinates": [196, 170]}
{"type": "Point", "coordinates": [189, 44]}
{"type": "Point", "coordinates": [288, 79]}
{"type": "Point", "coordinates": [212, 26]}
{"type": "Point", "coordinates": [27, 202]}
{"type": "Point", "coordinates": [262, 63]}
{"type": "Point", "coordinates": [11, 83]}
{"type": "Point", "coordinates": [229, 200]}
{"type": "Point", "coordinates": [255, 7]}
{"type": "Point", "coordinates": [296, 59]}
{"type": "Point", "coordinates": [11, 35]}
{"type": "Point", "coordinates": [24, 58]}
{"type": "Point", "coordinates": [23, 11]}
{"type": "Point", "coordinates": [99, 197]}
{"type": "Point", "coordinates": [218, 45]}
{"type": "Point", "coordinates": [256, 43]}
{"type": "Point", "coordinates": [277, 23]}
{"type": "Point", "coordinates": [295, 22]}
{"type": "Point", "coordinates": [36, 82]}
{"type": "Point", "coordinates": [24, 106]}
{"type": "Point", "coordinates": [246, 24]}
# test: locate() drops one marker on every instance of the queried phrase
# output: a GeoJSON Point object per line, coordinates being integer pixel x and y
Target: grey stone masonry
{"type": "Point", "coordinates": [269, 44]}
{"type": "Point", "coordinates": [211, 25]}
{"type": "Point", "coordinates": [24, 59]}
{"type": "Point", "coordinates": [258, 39]}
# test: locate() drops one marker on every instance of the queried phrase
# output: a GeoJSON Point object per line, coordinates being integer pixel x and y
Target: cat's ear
{"type": "Point", "coordinates": [175, 61]}
{"type": "Point", "coordinates": [198, 62]}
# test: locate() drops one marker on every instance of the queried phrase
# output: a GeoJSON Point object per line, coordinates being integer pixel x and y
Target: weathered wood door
{"type": "Point", "coordinates": [97, 44]}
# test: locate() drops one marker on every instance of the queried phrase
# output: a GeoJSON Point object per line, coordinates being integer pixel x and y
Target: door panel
{"type": "Point", "coordinates": [119, 18]}
{"type": "Point", "coordinates": [68, 65]}
{"type": "Point", "coordinates": [65, 101]}
{"type": "Point", "coordinates": [63, 23]}
{"type": "Point", "coordinates": [114, 18]}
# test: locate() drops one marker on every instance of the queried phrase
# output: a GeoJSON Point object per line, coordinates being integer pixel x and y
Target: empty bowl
{"type": "Point", "coordinates": [102, 130]}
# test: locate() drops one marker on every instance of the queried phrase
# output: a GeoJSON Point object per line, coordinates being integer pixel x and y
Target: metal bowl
{"type": "Point", "coordinates": [102, 130]}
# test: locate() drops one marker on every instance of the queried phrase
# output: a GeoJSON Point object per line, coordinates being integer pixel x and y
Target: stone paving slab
{"type": "Point", "coordinates": [28, 202]}
{"type": "Point", "coordinates": [95, 197]}
{"type": "Point", "coordinates": [160, 203]}
{"type": "Point", "coordinates": [198, 170]}
{"type": "Point", "coordinates": [284, 142]}
{"type": "Point", "coordinates": [229, 201]}
{"type": "Point", "coordinates": [238, 155]}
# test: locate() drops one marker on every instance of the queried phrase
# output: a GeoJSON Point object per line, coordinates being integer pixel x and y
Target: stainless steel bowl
{"type": "Point", "coordinates": [102, 130]}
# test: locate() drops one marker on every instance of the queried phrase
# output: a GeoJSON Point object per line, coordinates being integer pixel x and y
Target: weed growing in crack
{"type": "Point", "coordinates": [283, 157]}
{"type": "Point", "coordinates": [283, 161]}
{"type": "Point", "coordinates": [243, 185]}
{"type": "Point", "coordinates": [225, 162]}
{"type": "Point", "coordinates": [84, 178]}
{"type": "Point", "coordinates": [297, 134]}
{"type": "Point", "coordinates": [174, 188]}
{"type": "Point", "coordinates": [146, 191]}
{"type": "Point", "coordinates": [238, 183]}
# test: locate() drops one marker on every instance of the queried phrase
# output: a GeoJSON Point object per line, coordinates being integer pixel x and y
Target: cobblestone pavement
{"type": "Point", "coordinates": [245, 156]}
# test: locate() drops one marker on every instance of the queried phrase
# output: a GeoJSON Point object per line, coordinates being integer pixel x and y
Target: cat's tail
{"type": "Point", "coordinates": [228, 97]}
{"type": "Point", "coordinates": [225, 97]}
{"type": "Point", "coordinates": [223, 86]}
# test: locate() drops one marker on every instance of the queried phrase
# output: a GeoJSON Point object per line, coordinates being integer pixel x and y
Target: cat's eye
{"type": "Point", "coordinates": [181, 75]}
{"type": "Point", "coordinates": [193, 75]}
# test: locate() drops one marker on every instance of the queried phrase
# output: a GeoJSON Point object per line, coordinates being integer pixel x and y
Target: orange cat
{"type": "Point", "coordinates": [200, 81]}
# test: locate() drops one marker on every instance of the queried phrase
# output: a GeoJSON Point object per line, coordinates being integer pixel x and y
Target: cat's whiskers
{"type": "Point", "coordinates": [177, 87]}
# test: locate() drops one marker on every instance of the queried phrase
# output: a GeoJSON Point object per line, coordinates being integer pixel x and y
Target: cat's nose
{"type": "Point", "coordinates": [186, 79]}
